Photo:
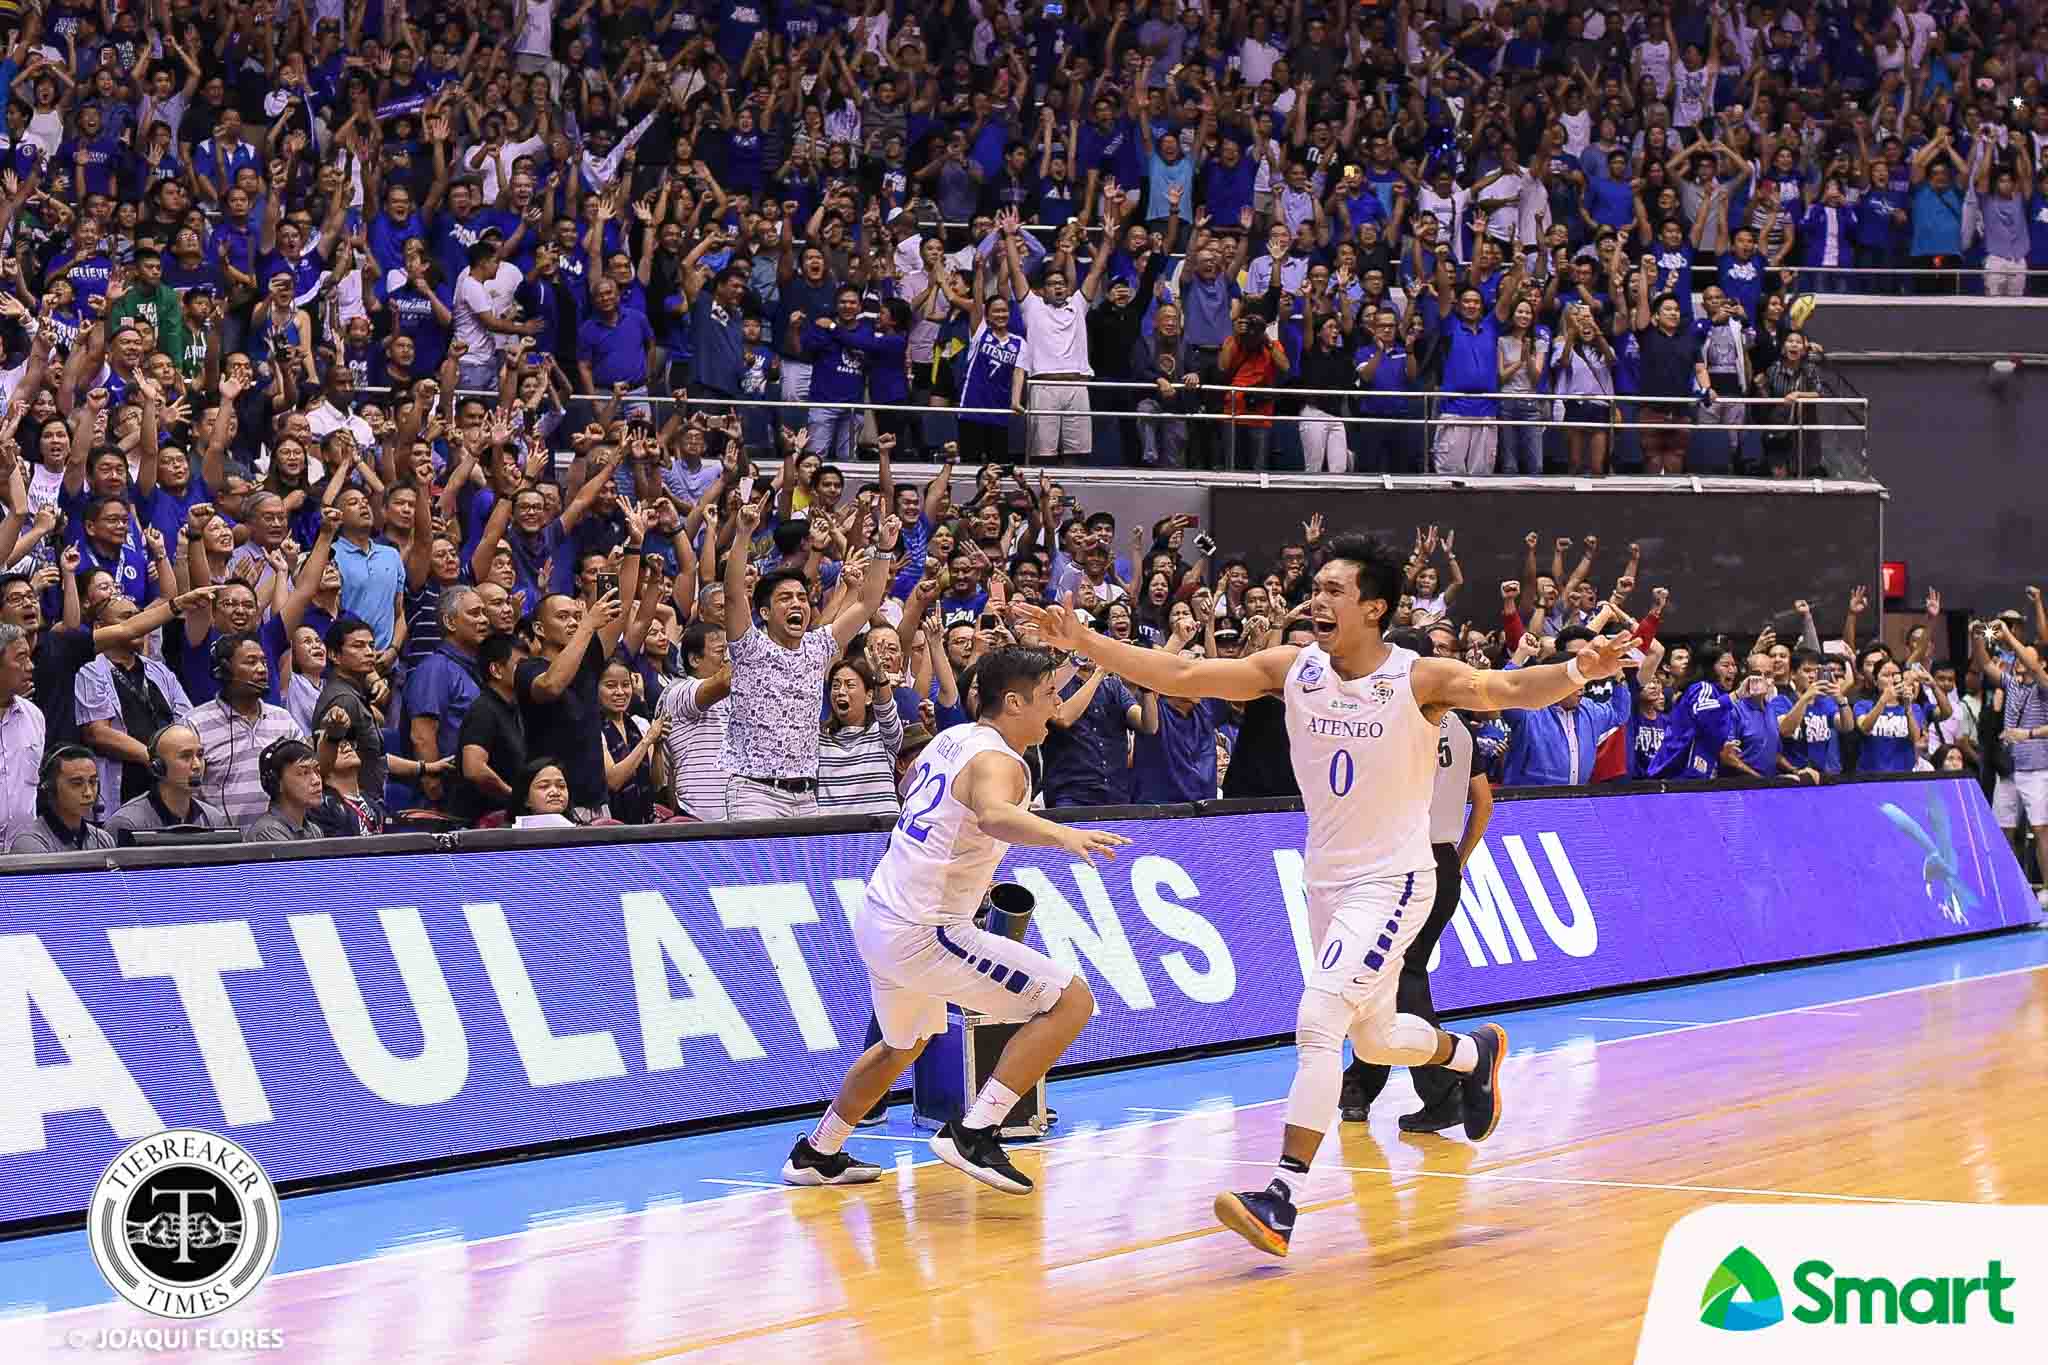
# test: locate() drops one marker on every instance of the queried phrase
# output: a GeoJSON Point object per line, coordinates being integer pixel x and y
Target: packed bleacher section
{"type": "Point", "coordinates": [407, 404]}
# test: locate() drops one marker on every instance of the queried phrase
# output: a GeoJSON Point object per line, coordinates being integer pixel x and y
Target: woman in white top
{"type": "Point", "coordinates": [1521, 371]}
{"type": "Point", "coordinates": [1582, 373]}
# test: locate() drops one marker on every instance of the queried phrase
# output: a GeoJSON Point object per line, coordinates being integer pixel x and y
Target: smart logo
{"type": "Point", "coordinates": [1741, 1273]}
{"type": "Point", "coordinates": [1742, 1296]}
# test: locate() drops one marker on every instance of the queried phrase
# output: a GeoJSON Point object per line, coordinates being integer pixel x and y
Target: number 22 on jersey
{"type": "Point", "coordinates": [929, 788]}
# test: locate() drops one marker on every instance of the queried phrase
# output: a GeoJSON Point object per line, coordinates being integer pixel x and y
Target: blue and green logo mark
{"type": "Point", "coordinates": [1741, 1295]}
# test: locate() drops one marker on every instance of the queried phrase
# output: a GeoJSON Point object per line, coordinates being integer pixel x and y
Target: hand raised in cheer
{"type": "Point", "coordinates": [1605, 657]}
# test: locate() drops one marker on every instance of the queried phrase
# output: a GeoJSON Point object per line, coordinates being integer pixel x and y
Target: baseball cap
{"type": "Point", "coordinates": [1229, 630]}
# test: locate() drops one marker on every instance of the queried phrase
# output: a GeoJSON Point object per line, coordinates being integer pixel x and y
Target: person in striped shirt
{"type": "Point", "coordinates": [857, 751]}
{"type": "Point", "coordinates": [695, 709]}
{"type": "Point", "coordinates": [237, 726]}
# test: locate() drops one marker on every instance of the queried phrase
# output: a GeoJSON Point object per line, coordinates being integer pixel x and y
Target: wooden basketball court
{"type": "Point", "coordinates": [1537, 1247]}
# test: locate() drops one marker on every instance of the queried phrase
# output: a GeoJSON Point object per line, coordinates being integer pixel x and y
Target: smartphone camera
{"type": "Point", "coordinates": [607, 583]}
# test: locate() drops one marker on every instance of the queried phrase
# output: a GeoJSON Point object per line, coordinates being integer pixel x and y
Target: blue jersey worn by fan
{"type": "Point", "coordinates": [1696, 729]}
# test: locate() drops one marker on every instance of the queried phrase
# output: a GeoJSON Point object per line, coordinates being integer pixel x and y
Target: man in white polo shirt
{"type": "Point", "coordinates": [1055, 354]}
{"type": "Point", "coordinates": [484, 313]}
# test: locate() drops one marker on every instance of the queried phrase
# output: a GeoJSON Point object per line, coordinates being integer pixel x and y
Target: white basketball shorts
{"type": "Point", "coordinates": [1361, 934]}
{"type": "Point", "coordinates": [914, 969]}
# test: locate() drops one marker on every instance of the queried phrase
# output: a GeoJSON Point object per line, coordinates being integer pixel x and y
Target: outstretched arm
{"type": "Point", "coordinates": [1446, 683]}
{"type": "Point", "coordinates": [1161, 670]}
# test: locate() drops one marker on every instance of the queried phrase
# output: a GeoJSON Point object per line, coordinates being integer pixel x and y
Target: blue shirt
{"type": "Point", "coordinates": [1697, 727]}
{"type": "Point", "coordinates": [1085, 763]}
{"type": "Point", "coordinates": [1178, 763]}
{"type": "Point", "coordinates": [839, 361]}
{"type": "Point", "coordinates": [1645, 738]}
{"type": "Point", "coordinates": [1888, 748]}
{"type": "Point", "coordinates": [716, 343]}
{"type": "Point", "coordinates": [1814, 742]}
{"type": "Point", "coordinates": [616, 351]}
{"type": "Point", "coordinates": [1756, 734]}
{"type": "Point", "coordinates": [1937, 222]}
{"type": "Point", "coordinates": [1226, 189]}
{"type": "Point", "coordinates": [1472, 365]}
{"type": "Point", "coordinates": [370, 579]}
{"type": "Point", "coordinates": [1743, 281]}
{"type": "Point", "coordinates": [1540, 746]}
{"type": "Point", "coordinates": [1388, 372]}
{"type": "Point", "coordinates": [444, 685]}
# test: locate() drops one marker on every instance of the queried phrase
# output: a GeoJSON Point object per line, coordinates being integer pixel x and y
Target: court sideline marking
{"type": "Point", "coordinates": [464, 1245]}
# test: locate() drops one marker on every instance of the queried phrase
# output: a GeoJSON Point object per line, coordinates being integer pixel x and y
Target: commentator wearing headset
{"type": "Point", "coordinates": [237, 727]}
{"type": "Point", "coordinates": [67, 799]}
{"type": "Point", "coordinates": [176, 765]}
{"type": "Point", "coordinates": [290, 772]}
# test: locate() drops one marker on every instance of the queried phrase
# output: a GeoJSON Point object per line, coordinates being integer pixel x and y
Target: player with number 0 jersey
{"type": "Point", "coordinates": [1362, 724]}
{"type": "Point", "coordinates": [964, 805]}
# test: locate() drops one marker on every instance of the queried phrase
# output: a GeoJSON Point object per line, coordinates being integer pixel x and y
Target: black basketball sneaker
{"type": "Point", "coordinates": [1265, 1218]}
{"type": "Point", "coordinates": [975, 1152]}
{"type": "Point", "coordinates": [1482, 1087]}
{"type": "Point", "coordinates": [809, 1166]}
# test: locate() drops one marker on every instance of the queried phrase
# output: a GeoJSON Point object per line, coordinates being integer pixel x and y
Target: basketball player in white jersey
{"type": "Point", "coordinates": [1452, 838]}
{"type": "Point", "coordinates": [1362, 722]}
{"type": "Point", "coordinates": [964, 805]}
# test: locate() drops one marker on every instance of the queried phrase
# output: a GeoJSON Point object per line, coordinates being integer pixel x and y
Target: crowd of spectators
{"type": "Point", "coordinates": [599, 673]}
{"type": "Point", "coordinates": [341, 476]}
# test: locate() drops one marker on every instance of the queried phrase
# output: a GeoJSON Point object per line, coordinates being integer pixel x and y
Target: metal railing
{"type": "Point", "coordinates": [1845, 459]}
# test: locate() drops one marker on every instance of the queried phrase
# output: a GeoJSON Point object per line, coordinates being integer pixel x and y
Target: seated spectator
{"type": "Point", "coordinates": [67, 802]}
{"type": "Point", "coordinates": [543, 797]}
{"type": "Point", "coordinates": [289, 771]}
{"type": "Point", "coordinates": [176, 763]}
{"type": "Point", "coordinates": [346, 810]}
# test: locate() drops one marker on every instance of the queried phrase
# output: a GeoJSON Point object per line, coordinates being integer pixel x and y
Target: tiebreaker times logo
{"type": "Point", "coordinates": [184, 1225]}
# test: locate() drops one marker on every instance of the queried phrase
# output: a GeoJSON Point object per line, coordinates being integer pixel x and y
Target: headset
{"type": "Point", "coordinates": [277, 756]}
{"type": "Point", "coordinates": [220, 656]}
{"type": "Point", "coordinates": [158, 768]}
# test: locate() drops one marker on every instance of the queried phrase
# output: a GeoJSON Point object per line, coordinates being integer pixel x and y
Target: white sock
{"type": "Point", "coordinates": [1464, 1057]}
{"type": "Point", "coordinates": [1290, 1174]}
{"type": "Point", "coordinates": [991, 1106]}
{"type": "Point", "coordinates": [830, 1133]}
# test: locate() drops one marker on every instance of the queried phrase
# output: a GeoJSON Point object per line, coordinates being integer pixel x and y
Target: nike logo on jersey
{"type": "Point", "coordinates": [1317, 688]}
